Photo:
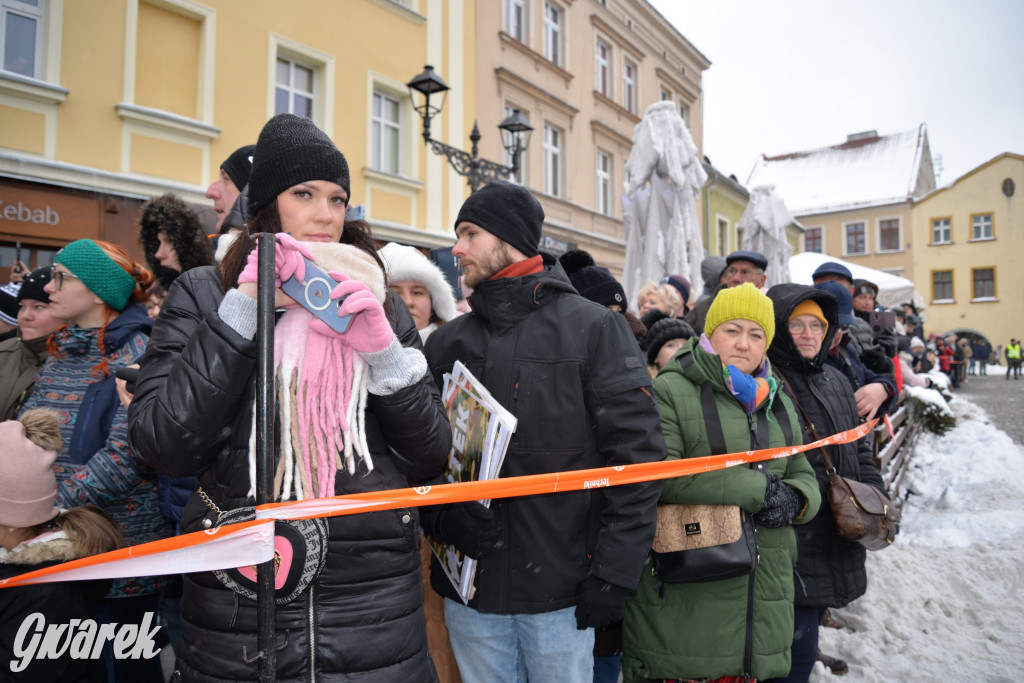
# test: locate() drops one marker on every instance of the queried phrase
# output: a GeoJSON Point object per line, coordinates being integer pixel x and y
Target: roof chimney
{"type": "Point", "coordinates": [866, 135]}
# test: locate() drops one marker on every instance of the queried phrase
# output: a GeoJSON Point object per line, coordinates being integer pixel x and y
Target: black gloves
{"type": "Point", "coordinates": [887, 343]}
{"type": "Point", "coordinates": [469, 526]}
{"type": "Point", "coordinates": [600, 603]}
{"type": "Point", "coordinates": [781, 504]}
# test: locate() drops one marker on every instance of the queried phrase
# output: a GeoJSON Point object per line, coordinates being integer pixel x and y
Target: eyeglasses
{"type": "Point", "coordinates": [58, 276]}
{"type": "Point", "coordinates": [815, 326]}
{"type": "Point", "coordinates": [743, 272]}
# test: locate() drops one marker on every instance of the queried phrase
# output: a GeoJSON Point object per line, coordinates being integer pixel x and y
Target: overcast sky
{"type": "Point", "coordinates": [794, 75]}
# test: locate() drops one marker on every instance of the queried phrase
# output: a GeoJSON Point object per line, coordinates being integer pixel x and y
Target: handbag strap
{"type": "Point", "coordinates": [829, 467]}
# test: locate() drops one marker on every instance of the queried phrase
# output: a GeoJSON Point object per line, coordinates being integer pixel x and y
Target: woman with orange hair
{"type": "Point", "coordinates": [97, 288]}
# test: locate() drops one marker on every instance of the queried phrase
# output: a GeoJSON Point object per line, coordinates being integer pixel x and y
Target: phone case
{"type": "Point", "coordinates": [314, 294]}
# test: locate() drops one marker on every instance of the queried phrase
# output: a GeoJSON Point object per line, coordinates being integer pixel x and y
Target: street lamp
{"type": "Point", "coordinates": [515, 133]}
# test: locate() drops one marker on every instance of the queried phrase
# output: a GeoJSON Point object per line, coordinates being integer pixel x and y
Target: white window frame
{"type": "Point", "coordinates": [899, 234]}
{"type": "Point", "coordinates": [379, 142]}
{"type": "Point", "coordinates": [724, 227]}
{"type": "Point", "coordinates": [991, 227]}
{"type": "Point", "coordinates": [821, 238]}
{"type": "Point", "coordinates": [554, 39]}
{"type": "Point", "coordinates": [291, 90]}
{"type": "Point", "coordinates": [519, 176]}
{"type": "Point", "coordinates": [664, 94]}
{"type": "Point", "coordinates": [554, 138]}
{"type": "Point", "coordinates": [37, 14]}
{"type": "Point", "coordinates": [948, 229]}
{"type": "Point", "coordinates": [603, 67]}
{"type": "Point", "coordinates": [323, 65]}
{"type": "Point", "coordinates": [603, 164]}
{"type": "Point", "coordinates": [974, 291]}
{"type": "Point", "coordinates": [952, 286]}
{"type": "Point", "coordinates": [629, 85]}
{"type": "Point", "coordinates": [515, 19]}
{"type": "Point", "coordinates": [846, 239]}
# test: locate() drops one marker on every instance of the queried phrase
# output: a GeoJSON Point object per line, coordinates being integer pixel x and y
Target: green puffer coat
{"type": "Point", "coordinates": [699, 630]}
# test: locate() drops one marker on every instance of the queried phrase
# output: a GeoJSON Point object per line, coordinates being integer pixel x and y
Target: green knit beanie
{"type": "Point", "coordinates": [97, 271]}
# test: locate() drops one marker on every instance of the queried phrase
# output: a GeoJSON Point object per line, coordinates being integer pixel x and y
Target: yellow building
{"type": "Point", "coordinates": [582, 73]}
{"type": "Point", "coordinates": [105, 103]}
{"type": "Point", "coordinates": [855, 199]}
{"type": "Point", "coordinates": [970, 262]}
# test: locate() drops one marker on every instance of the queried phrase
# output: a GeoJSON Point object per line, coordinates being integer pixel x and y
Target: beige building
{"type": "Point", "coordinates": [106, 103]}
{"type": "Point", "coordinates": [582, 72]}
{"type": "Point", "coordinates": [855, 199]}
{"type": "Point", "coordinates": [969, 265]}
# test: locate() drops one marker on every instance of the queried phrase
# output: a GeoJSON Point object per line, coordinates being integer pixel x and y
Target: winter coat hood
{"type": "Point", "coordinates": [171, 215]}
{"type": "Point", "coordinates": [783, 352]}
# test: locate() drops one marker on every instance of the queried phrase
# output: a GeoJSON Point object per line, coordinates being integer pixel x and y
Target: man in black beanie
{"type": "Point", "coordinates": [551, 568]}
{"type": "Point", "coordinates": [234, 175]}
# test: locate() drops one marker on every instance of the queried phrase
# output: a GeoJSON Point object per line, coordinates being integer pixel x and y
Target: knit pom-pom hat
{"type": "Point", "coordinates": [599, 285]}
{"type": "Point", "coordinates": [28, 486]}
{"type": "Point", "coordinates": [663, 328]}
{"type": "Point", "coordinates": [292, 150]}
{"type": "Point", "coordinates": [407, 263]}
{"type": "Point", "coordinates": [745, 302]}
{"type": "Point", "coordinates": [97, 271]}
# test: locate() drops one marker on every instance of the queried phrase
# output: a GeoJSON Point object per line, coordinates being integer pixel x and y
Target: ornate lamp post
{"type": "Point", "coordinates": [515, 131]}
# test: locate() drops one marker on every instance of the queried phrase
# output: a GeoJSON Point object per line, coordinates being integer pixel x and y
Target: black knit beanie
{"type": "Point", "coordinates": [599, 285]}
{"type": "Point", "coordinates": [238, 165]}
{"type": "Point", "coordinates": [661, 332]}
{"type": "Point", "coordinates": [292, 150]}
{"type": "Point", "coordinates": [507, 211]}
{"type": "Point", "coordinates": [33, 283]}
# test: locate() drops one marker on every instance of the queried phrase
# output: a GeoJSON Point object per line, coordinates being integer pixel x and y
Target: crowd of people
{"type": "Point", "coordinates": [127, 393]}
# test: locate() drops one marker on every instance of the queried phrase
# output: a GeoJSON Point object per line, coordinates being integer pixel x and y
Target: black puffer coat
{"type": "Point", "coordinates": [191, 414]}
{"type": "Point", "coordinates": [829, 570]}
{"type": "Point", "coordinates": [571, 372]}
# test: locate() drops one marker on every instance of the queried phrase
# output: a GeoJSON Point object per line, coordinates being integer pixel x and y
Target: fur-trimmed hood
{"type": "Point", "coordinates": [406, 263]}
{"type": "Point", "coordinates": [47, 548]}
{"type": "Point", "coordinates": [173, 216]}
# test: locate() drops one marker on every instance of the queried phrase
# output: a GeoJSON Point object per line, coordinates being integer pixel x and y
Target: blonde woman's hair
{"type": "Point", "coordinates": [667, 293]}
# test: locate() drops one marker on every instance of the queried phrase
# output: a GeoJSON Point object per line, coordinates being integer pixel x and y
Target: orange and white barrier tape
{"type": "Point", "coordinates": [250, 543]}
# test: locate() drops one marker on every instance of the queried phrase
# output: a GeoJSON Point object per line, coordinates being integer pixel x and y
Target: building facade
{"type": "Point", "coordinates": [582, 72]}
{"type": "Point", "coordinates": [106, 103]}
{"type": "Point", "coordinates": [724, 202]}
{"type": "Point", "coordinates": [969, 266]}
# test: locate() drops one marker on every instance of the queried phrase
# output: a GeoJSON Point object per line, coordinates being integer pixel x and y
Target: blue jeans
{"type": "Point", "coordinates": [506, 648]}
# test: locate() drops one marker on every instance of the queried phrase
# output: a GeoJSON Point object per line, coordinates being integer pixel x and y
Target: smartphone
{"type": "Point", "coordinates": [130, 376]}
{"type": "Point", "coordinates": [314, 294]}
{"type": "Point", "coordinates": [881, 321]}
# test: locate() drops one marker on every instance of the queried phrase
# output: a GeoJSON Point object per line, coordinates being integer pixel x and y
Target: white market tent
{"type": "Point", "coordinates": [893, 290]}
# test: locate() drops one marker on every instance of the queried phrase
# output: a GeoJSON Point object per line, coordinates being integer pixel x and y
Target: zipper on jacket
{"type": "Point", "coordinates": [312, 632]}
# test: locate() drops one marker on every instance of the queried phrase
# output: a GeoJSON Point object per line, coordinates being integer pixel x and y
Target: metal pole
{"type": "Point", "coordinates": [265, 410]}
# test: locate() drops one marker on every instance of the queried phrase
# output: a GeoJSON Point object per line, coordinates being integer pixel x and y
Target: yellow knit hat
{"type": "Point", "coordinates": [745, 302]}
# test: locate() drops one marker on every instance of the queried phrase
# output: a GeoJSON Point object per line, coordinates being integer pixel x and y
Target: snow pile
{"type": "Point", "coordinates": [945, 602]}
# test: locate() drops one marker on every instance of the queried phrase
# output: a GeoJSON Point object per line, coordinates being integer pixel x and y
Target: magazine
{"type": "Point", "coordinates": [481, 430]}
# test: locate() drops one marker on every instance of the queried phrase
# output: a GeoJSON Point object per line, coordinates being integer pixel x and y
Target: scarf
{"type": "Point", "coordinates": [749, 390]}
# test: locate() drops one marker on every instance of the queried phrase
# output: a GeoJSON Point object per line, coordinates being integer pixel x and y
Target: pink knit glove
{"type": "Point", "coordinates": [369, 330]}
{"type": "Point", "coordinates": [288, 254]}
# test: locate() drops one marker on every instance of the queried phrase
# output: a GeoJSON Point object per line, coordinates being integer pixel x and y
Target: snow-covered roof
{"type": "Point", "coordinates": [866, 170]}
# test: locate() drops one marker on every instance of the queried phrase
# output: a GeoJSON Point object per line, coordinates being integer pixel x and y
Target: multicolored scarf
{"type": "Point", "coordinates": [749, 390]}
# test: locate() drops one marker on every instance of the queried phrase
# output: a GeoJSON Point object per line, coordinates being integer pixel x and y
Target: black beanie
{"type": "Point", "coordinates": [599, 285]}
{"type": "Point", "coordinates": [33, 283]}
{"type": "Point", "coordinates": [507, 211]}
{"type": "Point", "coordinates": [238, 165]}
{"type": "Point", "coordinates": [292, 150]}
{"type": "Point", "coordinates": [661, 332]}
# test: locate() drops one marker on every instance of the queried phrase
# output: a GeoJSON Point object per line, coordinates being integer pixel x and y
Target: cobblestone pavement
{"type": "Point", "coordinates": [1003, 400]}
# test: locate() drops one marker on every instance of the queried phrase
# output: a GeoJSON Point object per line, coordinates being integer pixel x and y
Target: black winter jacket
{"type": "Point", "coordinates": [572, 374]}
{"type": "Point", "coordinates": [829, 569]}
{"type": "Point", "coordinates": [191, 415]}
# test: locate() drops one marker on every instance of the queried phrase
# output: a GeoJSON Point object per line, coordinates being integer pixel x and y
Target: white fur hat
{"type": "Point", "coordinates": [406, 263]}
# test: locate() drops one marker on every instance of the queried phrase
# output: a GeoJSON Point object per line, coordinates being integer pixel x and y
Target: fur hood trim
{"type": "Point", "coordinates": [50, 547]}
{"type": "Point", "coordinates": [407, 263]}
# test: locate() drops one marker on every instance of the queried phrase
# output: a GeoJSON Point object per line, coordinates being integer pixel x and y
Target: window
{"type": "Point", "coordinates": [387, 133]}
{"type": "Point", "coordinates": [856, 242]}
{"type": "Point", "coordinates": [984, 283]}
{"type": "Point", "coordinates": [604, 183]}
{"type": "Point", "coordinates": [294, 92]}
{"type": "Point", "coordinates": [942, 285]}
{"type": "Point", "coordinates": [553, 33]}
{"type": "Point", "coordinates": [812, 240]}
{"type": "Point", "coordinates": [552, 160]}
{"type": "Point", "coordinates": [22, 36]}
{"type": "Point", "coordinates": [683, 113]}
{"type": "Point", "coordinates": [518, 176]}
{"type": "Point", "coordinates": [515, 19]}
{"type": "Point", "coordinates": [604, 82]}
{"type": "Point", "coordinates": [889, 234]}
{"type": "Point", "coordinates": [981, 225]}
{"type": "Point", "coordinates": [723, 236]}
{"type": "Point", "coordinates": [942, 230]}
{"type": "Point", "coordinates": [664, 94]}
{"type": "Point", "coordinates": [629, 86]}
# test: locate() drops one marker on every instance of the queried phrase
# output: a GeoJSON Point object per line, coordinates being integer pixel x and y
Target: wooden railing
{"type": "Point", "coordinates": [892, 453]}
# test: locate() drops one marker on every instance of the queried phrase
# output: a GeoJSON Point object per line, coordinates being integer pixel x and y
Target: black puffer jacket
{"type": "Point", "coordinates": [192, 414]}
{"type": "Point", "coordinates": [570, 371]}
{"type": "Point", "coordinates": [829, 570]}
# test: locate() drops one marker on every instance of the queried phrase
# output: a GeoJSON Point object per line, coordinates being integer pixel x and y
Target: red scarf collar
{"type": "Point", "coordinates": [531, 265]}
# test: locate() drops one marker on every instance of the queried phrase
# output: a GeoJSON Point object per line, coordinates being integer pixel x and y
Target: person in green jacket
{"type": "Point", "coordinates": [718, 395]}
